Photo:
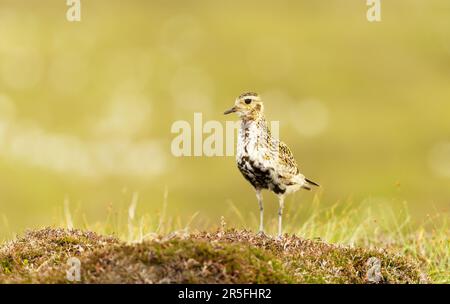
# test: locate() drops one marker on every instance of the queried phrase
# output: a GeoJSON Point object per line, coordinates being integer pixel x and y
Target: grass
{"type": "Point", "coordinates": [338, 244]}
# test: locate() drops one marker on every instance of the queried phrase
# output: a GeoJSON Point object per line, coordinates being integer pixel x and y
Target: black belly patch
{"type": "Point", "coordinates": [259, 177]}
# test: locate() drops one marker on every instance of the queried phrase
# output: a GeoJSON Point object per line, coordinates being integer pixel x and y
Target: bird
{"type": "Point", "coordinates": [265, 161]}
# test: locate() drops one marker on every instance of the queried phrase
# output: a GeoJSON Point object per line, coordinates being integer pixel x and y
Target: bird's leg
{"type": "Point", "coordinates": [280, 215]}
{"type": "Point", "coordinates": [261, 210]}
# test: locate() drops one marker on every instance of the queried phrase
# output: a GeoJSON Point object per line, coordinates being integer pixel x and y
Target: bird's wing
{"type": "Point", "coordinates": [288, 169]}
{"type": "Point", "coordinates": [286, 161]}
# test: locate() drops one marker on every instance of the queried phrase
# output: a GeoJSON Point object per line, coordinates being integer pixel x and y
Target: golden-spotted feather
{"type": "Point", "coordinates": [286, 160]}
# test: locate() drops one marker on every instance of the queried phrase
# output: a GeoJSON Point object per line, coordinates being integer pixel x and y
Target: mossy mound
{"type": "Point", "coordinates": [220, 257]}
{"type": "Point", "coordinates": [33, 257]}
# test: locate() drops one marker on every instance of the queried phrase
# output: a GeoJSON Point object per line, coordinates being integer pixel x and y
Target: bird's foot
{"type": "Point", "coordinates": [261, 233]}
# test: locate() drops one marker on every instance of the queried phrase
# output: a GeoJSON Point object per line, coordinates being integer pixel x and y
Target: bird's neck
{"type": "Point", "coordinates": [256, 124]}
{"type": "Point", "coordinates": [253, 134]}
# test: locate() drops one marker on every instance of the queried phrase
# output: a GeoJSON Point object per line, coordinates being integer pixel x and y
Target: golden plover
{"type": "Point", "coordinates": [265, 161]}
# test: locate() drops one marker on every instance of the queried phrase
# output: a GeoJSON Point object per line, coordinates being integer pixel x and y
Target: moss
{"type": "Point", "coordinates": [219, 257]}
{"type": "Point", "coordinates": [5, 265]}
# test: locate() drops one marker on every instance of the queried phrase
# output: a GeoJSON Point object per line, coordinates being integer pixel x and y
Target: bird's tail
{"type": "Point", "coordinates": [309, 183]}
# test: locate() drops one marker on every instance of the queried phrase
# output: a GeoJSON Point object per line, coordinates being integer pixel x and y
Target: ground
{"type": "Point", "coordinates": [222, 256]}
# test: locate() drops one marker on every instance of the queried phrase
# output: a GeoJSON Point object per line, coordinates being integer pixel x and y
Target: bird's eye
{"type": "Point", "coordinates": [248, 101]}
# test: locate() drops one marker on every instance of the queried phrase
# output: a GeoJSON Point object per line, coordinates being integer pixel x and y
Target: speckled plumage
{"type": "Point", "coordinates": [265, 161]}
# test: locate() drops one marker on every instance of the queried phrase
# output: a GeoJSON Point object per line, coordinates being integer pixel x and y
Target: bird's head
{"type": "Point", "coordinates": [247, 105]}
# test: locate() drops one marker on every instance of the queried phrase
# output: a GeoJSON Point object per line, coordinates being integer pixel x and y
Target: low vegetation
{"type": "Point", "coordinates": [222, 256]}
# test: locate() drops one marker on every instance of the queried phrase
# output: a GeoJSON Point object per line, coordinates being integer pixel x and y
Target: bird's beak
{"type": "Point", "coordinates": [232, 110]}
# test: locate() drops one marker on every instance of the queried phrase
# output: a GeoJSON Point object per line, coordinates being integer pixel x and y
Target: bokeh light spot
{"type": "Point", "coordinates": [21, 70]}
{"type": "Point", "coordinates": [192, 90]}
{"type": "Point", "coordinates": [7, 109]}
{"type": "Point", "coordinates": [439, 159]}
{"type": "Point", "coordinates": [309, 117]}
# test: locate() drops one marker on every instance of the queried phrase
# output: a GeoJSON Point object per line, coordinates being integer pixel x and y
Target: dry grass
{"type": "Point", "coordinates": [223, 256]}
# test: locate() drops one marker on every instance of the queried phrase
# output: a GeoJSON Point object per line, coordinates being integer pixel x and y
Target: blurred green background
{"type": "Point", "coordinates": [86, 107]}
